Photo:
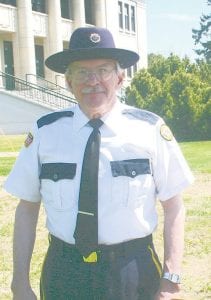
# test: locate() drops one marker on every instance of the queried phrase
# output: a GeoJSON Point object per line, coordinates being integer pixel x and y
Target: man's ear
{"type": "Point", "coordinates": [69, 85]}
{"type": "Point", "coordinates": [121, 78]}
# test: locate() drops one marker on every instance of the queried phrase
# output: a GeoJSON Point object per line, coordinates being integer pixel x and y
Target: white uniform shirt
{"type": "Point", "coordinates": [137, 165]}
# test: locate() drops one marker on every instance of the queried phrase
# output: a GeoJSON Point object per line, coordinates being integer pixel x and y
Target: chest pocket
{"type": "Point", "coordinates": [132, 180]}
{"type": "Point", "coordinates": [130, 167]}
{"type": "Point", "coordinates": [57, 184]}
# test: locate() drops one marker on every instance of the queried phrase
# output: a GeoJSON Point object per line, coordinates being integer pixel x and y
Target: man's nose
{"type": "Point", "coordinates": [92, 78]}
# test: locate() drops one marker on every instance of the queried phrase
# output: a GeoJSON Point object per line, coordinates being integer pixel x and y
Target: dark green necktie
{"type": "Point", "coordinates": [86, 231]}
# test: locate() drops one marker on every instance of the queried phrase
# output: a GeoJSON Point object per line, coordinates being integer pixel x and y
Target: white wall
{"type": "Point", "coordinates": [17, 115]}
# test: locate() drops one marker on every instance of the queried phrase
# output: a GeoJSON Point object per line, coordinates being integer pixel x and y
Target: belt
{"type": "Point", "coordinates": [103, 252]}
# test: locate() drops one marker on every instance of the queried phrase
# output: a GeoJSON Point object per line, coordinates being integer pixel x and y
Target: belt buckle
{"type": "Point", "coordinates": [91, 258]}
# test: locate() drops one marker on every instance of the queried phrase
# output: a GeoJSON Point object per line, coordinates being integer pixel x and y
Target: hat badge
{"type": "Point", "coordinates": [95, 38]}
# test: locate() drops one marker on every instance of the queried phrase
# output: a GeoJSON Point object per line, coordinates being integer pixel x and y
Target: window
{"type": "Point", "coordinates": [131, 71]}
{"type": "Point", "coordinates": [120, 15]}
{"type": "Point", "coordinates": [38, 5]}
{"type": "Point", "coordinates": [9, 2]}
{"type": "Point", "coordinates": [135, 68]}
{"type": "Point", "coordinates": [39, 56]}
{"type": "Point", "coordinates": [89, 12]}
{"type": "Point", "coordinates": [66, 9]}
{"type": "Point", "coordinates": [126, 15]}
{"type": "Point", "coordinates": [132, 18]}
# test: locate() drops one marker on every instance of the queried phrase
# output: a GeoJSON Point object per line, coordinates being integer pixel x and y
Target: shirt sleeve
{"type": "Point", "coordinates": [171, 171]}
{"type": "Point", "coordinates": [23, 181]}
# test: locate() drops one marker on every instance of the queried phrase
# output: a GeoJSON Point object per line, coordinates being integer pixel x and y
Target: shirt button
{"type": "Point", "coordinates": [133, 173]}
{"type": "Point", "coordinates": [55, 177]}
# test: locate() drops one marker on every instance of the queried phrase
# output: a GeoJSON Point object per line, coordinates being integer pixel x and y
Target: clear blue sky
{"type": "Point", "coordinates": [169, 25]}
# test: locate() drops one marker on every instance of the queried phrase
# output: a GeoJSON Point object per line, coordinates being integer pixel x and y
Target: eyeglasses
{"type": "Point", "coordinates": [102, 73]}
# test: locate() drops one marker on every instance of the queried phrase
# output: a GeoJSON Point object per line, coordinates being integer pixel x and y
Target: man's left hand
{"type": "Point", "coordinates": [168, 291]}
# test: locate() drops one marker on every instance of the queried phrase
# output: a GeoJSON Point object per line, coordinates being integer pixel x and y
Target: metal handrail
{"type": "Point", "coordinates": [35, 92]}
{"type": "Point", "coordinates": [44, 82]}
{"type": "Point", "coordinates": [49, 84]}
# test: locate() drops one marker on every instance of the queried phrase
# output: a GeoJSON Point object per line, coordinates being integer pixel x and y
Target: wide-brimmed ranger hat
{"type": "Point", "coordinates": [91, 43]}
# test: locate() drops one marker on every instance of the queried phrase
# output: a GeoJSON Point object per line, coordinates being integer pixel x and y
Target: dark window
{"type": "Point", "coordinates": [133, 19]}
{"type": "Point", "coordinates": [9, 2]}
{"type": "Point", "coordinates": [9, 65]}
{"type": "Point", "coordinates": [127, 20]}
{"type": "Point", "coordinates": [39, 56]}
{"type": "Point", "coordinates": [120, 15]}
{"type": "Point", "coordinates": [38, 5]}
{"type": "Point", "coordinates": [89, 12]}
{"type": "Point", "coordinates": [66, 9]}
{"type": "Point", "coordinates": [129, 72]}
{"type": "Point", "coordinates": [135, 68]}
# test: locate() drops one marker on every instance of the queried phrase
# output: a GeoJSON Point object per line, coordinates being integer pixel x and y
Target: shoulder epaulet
{"type": "Point", "coordinates": [141, 114]}
{"type": "Point", "coordinates": [52, 117]}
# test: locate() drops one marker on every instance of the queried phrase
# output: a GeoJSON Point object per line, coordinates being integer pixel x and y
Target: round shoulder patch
{"type": "Point", "coordinates": [166, 133]}
{"type": "Point", "coordinates": [28, 140]}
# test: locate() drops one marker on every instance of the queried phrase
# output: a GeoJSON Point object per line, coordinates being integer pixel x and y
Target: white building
{"type": "Point", "coordinates": [31, 30]}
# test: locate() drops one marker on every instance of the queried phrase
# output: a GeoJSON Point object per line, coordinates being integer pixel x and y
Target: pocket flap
{"type": "Point", "coordinates": [130, 167]}
{"type": "Point", "coordinates": [57, 171]}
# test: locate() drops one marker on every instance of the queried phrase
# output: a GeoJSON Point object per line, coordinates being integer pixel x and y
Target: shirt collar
{"type": "Point", "coordinates": [113, 118]}
{"type": "Point", "coordinates": [110, 119]}
{"type": "Point", "coordinates": [80, 119]}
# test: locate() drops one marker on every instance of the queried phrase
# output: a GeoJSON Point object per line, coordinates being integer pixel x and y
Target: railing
{"type": "Point", "coordinates": [35, 93]}
{"type": "Point", "coordinates": [48, 84]}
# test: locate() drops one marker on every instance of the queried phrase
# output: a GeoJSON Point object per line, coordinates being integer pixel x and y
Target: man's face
{"type": "Point", "coordinates": [94, 84]}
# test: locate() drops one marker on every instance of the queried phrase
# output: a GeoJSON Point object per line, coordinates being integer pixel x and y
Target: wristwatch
{"type": "Point", "coordinates": [175, 278]}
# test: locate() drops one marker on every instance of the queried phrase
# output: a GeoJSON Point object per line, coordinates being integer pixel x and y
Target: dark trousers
{"type": "Point", "coordinates": [127, 271]}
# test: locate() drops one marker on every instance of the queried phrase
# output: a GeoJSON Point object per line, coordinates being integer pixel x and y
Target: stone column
{"type": "Point", "coordinates": [79, 13]}
{"type": "Point", "coordinates": [100, 12]}
{"type": "Point", "coordinates": [54, 42]}
{"type": "Point", "coordinates": [25, 39]}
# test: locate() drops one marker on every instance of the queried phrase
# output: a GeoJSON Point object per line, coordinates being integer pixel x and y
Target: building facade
{"type": "Point", "coordinates": [31, 30]}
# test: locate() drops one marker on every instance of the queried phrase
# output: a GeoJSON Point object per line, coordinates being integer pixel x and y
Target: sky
{"type": "Point", "coordinates": [170, 24]}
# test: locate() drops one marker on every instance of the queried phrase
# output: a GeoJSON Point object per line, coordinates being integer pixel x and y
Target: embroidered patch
{"type": "Point", "coordinates": [166, 132]}
{"type": "Point", "coordinates": [28, 140]}
{"type": "Point", "coordinates": [95, 38]}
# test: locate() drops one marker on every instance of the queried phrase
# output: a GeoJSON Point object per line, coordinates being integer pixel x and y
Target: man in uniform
{"type": "Point", "coordinates": [98, 168]}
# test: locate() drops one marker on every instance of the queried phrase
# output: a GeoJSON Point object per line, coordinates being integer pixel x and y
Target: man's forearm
{"type": "Point", "coordinates": [24, 237]}
{"type": "Point", "coordinates": [174, 218]}
{"type": "Point", "coordinates": [174, 215]}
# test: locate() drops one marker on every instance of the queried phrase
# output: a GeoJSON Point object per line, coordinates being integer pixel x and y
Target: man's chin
{"type": "Point", "coordinates": [96, 100]}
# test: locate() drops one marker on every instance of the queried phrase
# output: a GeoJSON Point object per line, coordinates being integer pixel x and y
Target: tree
{"type": "Point", "coordinates": [177, 90]}
{"type": "Point", "coordinates": [202, 36]}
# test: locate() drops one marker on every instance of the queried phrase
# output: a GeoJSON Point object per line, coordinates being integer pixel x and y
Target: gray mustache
{"type": "Point", "coordinates": [97, 89]}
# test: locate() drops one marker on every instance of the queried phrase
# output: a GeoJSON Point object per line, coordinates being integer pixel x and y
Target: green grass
{"type": "Point", "coordinates": [198, 155]}
{"type": "Point", "coordinates": [6, 164]}
{"type": "Point", "coordinates": [11, 143]}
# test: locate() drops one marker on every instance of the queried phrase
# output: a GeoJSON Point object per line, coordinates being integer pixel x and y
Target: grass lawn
{"type": "Point", "coordinates": [197, 258]}
{"type": "Point", "coordinates": [9, 146]}
{"type": "Point", "coordinates": [6, 164]}
{"type": "Point", "coordinates": [198, 155]}
{"type": "Point", "coordinates": [11, 143]}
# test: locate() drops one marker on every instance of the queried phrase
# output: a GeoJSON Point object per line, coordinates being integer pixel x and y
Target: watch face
{"type": "Point", "coordinates": [175, 278]}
